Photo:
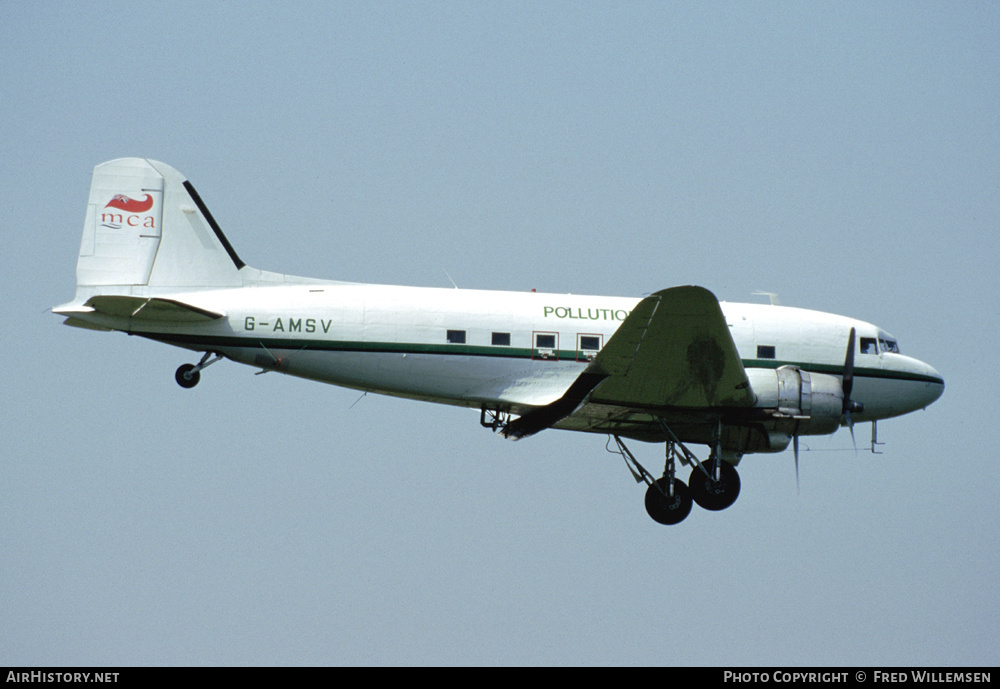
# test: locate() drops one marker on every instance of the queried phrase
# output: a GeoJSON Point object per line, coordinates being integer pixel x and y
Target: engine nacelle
{"type": "Point", "coordinates": [803, 403]}
{"type": "Point", "coordinates": [739, 440]}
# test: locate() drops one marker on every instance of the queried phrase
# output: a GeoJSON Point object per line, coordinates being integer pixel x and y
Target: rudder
{"type": "Point", "coordinates": [147, 226]}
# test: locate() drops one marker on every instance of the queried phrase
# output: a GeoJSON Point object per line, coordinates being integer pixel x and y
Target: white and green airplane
{"type": "Point", "coordinates": [676, 367]}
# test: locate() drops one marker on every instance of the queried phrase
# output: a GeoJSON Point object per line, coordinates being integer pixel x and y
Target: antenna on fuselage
{"type": "Point", "coordinates": [449, 278]}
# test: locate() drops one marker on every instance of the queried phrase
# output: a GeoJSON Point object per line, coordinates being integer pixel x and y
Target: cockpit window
{"type": "Point", "coordinates": [888, 345]}
{"type": "Point", "coordinates": [869, 345]}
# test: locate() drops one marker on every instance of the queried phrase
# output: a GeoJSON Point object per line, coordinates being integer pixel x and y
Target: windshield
{"type": "Point", "coordinates": [887, 343]}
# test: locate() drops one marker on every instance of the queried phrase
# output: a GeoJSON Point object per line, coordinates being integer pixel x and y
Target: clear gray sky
{"type": "Point", "coordinates": [844, 155]}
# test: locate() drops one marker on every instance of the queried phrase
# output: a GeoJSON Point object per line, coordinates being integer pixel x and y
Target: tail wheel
{"type": "Point", "coordinates": [715, 495]}
{"type": "Point", "coordinates": [665, 508]}
{"type": "Point", "coordinates": [187, 376]}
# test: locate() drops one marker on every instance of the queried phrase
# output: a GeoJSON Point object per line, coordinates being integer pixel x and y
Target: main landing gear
{"type": "Point", "coordinates": [714, 484]}
{"type": "Point", "coordinates": [188, 375]}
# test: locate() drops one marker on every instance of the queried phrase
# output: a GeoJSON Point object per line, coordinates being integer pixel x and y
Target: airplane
{"type": "Point", "coordinates": [677, 367]}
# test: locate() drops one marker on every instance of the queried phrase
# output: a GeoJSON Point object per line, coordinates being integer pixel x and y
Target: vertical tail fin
{"type": "Point", "coordinates": [147, 226]}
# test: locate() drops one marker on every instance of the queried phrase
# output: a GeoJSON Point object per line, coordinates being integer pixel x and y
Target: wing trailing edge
{"type": "Point", "coordinates": [544, 417]}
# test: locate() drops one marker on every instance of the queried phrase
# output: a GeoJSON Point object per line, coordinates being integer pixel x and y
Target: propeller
{"type": "Point", "coordinates": [795, 449]}
{"type": "Point", "coordinates": [848, 385]}
{"type": "Point", "coordinates": [849, 405]}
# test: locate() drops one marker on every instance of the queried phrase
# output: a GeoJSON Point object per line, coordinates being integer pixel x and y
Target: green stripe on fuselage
{"type": "Point", "coordinates": [213, 341]}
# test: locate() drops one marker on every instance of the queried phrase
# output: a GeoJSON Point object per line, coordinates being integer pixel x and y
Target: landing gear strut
{"type": "Point", "coordinates": [714, 484]}
{"type": "Point", "coordinates": [494, 419]}
{"type": "Point", "coordinates": [188, 375]}
{"type": "Point", "coordinates": [668, 500]}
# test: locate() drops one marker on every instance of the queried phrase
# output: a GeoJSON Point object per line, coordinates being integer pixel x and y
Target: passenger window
{"type": "Point", "coordinates": [456, 336]}
{"type": "Point", "coordinates": [546, 346]}
{"type": "Point", "coordinates": [765, 351]}
{"type": "Point", "coordinates": [501, 339]}
{"type": "Point", "coordinates": [587, 346]}
{"type": "Point", "coordinates": [543, 341]}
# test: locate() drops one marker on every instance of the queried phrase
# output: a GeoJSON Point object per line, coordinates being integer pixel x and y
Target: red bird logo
{"type": "Point", "coordinates": [122, 202]}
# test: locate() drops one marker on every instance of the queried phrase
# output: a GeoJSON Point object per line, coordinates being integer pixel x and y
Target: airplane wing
{"type": "Point", "coordinates": [673, 352]}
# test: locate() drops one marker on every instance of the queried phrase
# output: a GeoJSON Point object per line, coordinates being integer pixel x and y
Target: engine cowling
{"type": "Point", "coordinates": [801, 403]}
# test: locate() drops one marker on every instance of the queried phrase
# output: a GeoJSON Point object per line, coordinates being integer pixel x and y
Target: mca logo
{"type": "Point", "coordinates": [124, 203]}
{"type": "Point", "coordinates": [131, 215]}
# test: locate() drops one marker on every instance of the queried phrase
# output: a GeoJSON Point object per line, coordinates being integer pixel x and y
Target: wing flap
{"type": "Point", "coordinates": [540, 418]}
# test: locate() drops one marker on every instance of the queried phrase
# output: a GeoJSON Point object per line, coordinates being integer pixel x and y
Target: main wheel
{"type": "Point", "coordinates": [664, 509]}
{"type": "Point", "coordinates": [186, 376]}
{"type": "Point", "coordinates": [715, 495]}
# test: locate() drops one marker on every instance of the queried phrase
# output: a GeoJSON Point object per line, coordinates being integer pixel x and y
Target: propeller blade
{"type": "Point", "coordinates": [850, 427]}
{"type": "Point", "coordinates": [848, 385]}
{"type": "Point", "coordinates": [848, 381]}
{"type": "Point", "coordinates": [795, 449]}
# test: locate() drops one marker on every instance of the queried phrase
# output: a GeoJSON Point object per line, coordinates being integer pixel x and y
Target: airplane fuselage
{"type": "Point", "coordinates": [512, 350]}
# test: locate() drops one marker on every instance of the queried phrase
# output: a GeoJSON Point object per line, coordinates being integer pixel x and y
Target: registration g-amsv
{"type": "Point", "coordinates": [290, 325]}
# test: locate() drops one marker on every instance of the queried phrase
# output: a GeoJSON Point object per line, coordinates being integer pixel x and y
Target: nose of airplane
{"type": "Point", "coordinates": [932, 385]}
{"type": "Point", "coordinates": [907, 386]}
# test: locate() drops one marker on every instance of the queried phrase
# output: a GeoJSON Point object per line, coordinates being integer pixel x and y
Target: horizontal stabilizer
{"type": "Point", "coordinates": [155, 309]}
{"type": "Point", "coordinates": [77, 323]}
